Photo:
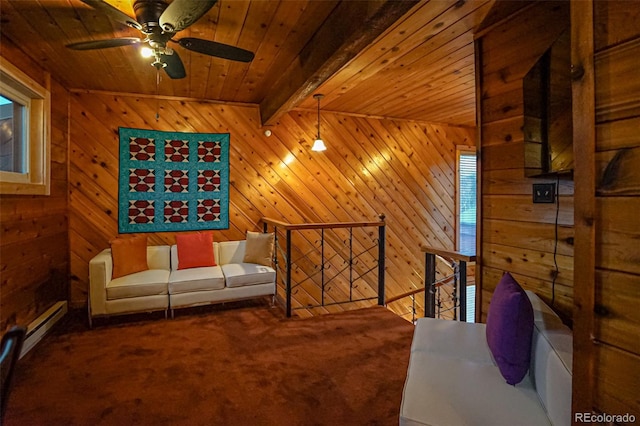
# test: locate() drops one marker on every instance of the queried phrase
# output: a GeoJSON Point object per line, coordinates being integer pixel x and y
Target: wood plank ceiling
{"type": "Point", "coordinates": [401, 60]}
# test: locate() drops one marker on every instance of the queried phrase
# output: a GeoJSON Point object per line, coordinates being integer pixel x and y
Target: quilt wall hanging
{"type": "Point", "coordinates": [171, 181]}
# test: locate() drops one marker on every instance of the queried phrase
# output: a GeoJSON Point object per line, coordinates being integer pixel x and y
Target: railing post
{"type": "Point", "coordinates": [381, 257]}
{"type": "Point", "coordinates": [322, 266]}
{"type": "Point", "coordinates": [463, 291]}
{"type": "Point", "coordinates": [288, 278]}
{"type": "Point", "coordinates": [455, 296]}
{"type": "Point", "coordinates": [429, 285]}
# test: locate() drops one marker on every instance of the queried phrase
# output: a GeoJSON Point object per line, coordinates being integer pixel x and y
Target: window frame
{"type": "Point", "coordinates": [464, 150]}
{"type": "Point", "coordinates": [37, 99]}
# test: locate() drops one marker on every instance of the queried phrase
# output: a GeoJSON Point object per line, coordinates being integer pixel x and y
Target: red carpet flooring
{"type": "Point", "coordinates": [246, 365]}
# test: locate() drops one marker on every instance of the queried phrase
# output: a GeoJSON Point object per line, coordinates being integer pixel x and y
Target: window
{"type": "Point", "coordinates": [466, 183]}
{"type": "Point", "coordinates": [466, 190]}
{"type": "Point", "coordinates": [24, 133]}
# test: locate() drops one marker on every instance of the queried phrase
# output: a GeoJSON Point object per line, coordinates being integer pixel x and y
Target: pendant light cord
{"type": "Point", "coordinates": [318, 117]}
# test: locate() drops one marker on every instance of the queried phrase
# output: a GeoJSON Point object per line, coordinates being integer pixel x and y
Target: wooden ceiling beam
{"type": "Point", "coordinates": [348, 30]}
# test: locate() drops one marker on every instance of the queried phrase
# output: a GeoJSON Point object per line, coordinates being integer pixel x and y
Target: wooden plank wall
{"type": "Point", "coordinates": [34, 254]}
{"type": "Point", "coordinates": [617, 202]}
{"type": "Point", "coordinates": [517, 235]}
{"type": "Point", "coordinates": [402, 169]}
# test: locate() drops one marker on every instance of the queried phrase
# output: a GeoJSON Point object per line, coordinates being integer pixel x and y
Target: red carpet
{"type": "Point", "coordinates": [238, 366]}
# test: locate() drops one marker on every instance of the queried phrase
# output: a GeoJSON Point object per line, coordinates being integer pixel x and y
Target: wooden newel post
{"type": "Point", "coordinates": [429, 285]}
{"type": "Point", "coordinates": [381, 257]}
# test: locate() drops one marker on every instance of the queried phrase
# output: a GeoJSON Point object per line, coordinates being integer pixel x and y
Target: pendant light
{"type": "Point", "coordinates": [318, 144]}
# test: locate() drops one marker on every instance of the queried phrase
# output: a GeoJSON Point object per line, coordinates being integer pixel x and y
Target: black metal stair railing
{"type": "Point", "coordinates": [445, 286]}
{"type": "Point", "coordinates": [334, 263]}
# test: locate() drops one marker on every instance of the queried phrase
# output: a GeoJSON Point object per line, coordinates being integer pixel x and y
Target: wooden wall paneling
{"type": "Point", "coordinates": [355, 197]}
{"type": "Point", "coordinates": [531, 235]}
{"type": "Point", "coordinates": [352, 191]}
{"type": "Point", "coordinates": [392, 168]}
{"type": "Point", "coordinates": [617, 89]}
{"type": "Point", "coordinates": [617, 172]}
{"type": "Point", "coordinates": [618, 134]}
{"type": "Point", "coordinates": [34, 260]}
{"type": "Point", "coordinates": [617, 22]}
{"type": "Point", "coordinates": [435, 195]}
{"type": "Point", "coordinates": [508, 207]}
{"type": "Point", "coordinates": [502, 106]}
{"type": "Point", "coordinates": [614, 155]}
{"type": "Point", "coordinates": [426, 166]}
{"type": "Point", "coordinates": [377, 194]}
{"type": "Point", "coordinates": [517, 235]}
{"type": "Point", "coordinates": [562, 302]}
{"type": "Point", "coordinates": [616, 388]}
{"type": "Point", "coordinates": [536, 264]}
{"type": "Point", "coordinates": [618, 318]}
{"type": "Point", "coordinates": [510, 182]}
{"type": "Point", "coordinates": [440, 148]}
{"type": "Point", "coordinates": [502, 46]}
{"type": "Point", "coordinates": [506, 131]}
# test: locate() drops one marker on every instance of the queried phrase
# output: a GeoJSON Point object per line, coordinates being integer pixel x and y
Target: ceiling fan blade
{"type": "Point", "coordinates": [182, 13]}
{"type": "Point", "coordinates": [175, 67]}
{"type": "Point", "coordinates": [104, 44]}
{"type": "Point", "coordinates": [219, 50]}
{"type": "Point", "coordinates": [113, 13]}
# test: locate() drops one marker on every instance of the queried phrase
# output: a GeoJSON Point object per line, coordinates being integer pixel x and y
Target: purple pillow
{"type": "Point", "coordinates": [509, 329]}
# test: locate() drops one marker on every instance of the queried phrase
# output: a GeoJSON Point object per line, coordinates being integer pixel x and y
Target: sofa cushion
{"type": "Point", "coordinates": [195, 250]}
{"type": "Point", "coordinates": [447, 391]}
{"type": "Point", "coordinates": [129, 255]}
{"type": "Point", "coordinates": [259, 248]}
{"type": "Point", "coordinates": [452, 339]}
{"type": "Point", "coordinates": [509, 329]}
{"type": "Point", "coordinates": [196, 279]}
{"type": "Point", "coordinates": [146, 283]}
{"type": "Point", "coordinates": [241, 274]}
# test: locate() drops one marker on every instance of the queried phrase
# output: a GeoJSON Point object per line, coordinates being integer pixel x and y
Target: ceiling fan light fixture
{"type": "Point", "coordinates": [318, 144]}
{"type": "Point", "coordinates": [146, 52]}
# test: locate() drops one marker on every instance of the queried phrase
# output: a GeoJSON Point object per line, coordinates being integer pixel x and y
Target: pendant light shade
{"type": "Point", "coordinates": [318, 144]}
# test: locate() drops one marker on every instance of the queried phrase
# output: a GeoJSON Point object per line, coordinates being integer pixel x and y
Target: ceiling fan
{"type": "Point", "coordinates": [159, 21]}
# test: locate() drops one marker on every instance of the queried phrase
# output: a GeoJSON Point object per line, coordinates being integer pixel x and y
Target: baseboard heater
{"type": "Point", "coordinates": [41, 325]}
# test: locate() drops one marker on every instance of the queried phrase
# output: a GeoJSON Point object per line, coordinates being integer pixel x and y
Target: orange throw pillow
{"type": "Point", "coordinates": [195, 250]}
{"type": "Point", "coordinates": [129, 255]}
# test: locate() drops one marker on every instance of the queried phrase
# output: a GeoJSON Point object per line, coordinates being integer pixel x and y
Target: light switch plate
{"type": "Point", "coordinates": [544, 192]}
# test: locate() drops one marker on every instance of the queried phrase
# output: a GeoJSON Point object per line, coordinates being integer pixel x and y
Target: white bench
{"type": "Point", "coordinates": [452, 378]}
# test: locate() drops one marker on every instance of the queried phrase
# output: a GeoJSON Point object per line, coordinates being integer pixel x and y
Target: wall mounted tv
{"type": "Point", "coordinates": [548, 121]}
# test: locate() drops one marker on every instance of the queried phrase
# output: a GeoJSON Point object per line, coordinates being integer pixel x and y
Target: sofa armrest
{"type": "Point", "coordinates": [100, 270]}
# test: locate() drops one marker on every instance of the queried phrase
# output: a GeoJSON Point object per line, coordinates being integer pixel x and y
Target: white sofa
{"type": "Point", "coordinates": [231, 279]}
{"type": "Point", "coordinates": [452, 378]}
{"type": "Point", "coordinates": [165, 287]}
